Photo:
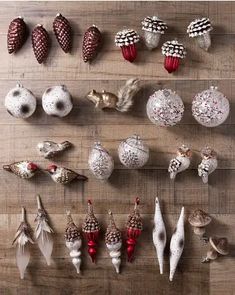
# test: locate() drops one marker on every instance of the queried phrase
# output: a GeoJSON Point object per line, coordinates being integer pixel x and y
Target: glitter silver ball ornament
{"type": "Point", "coordinates": [133, 152]}
{"type": "Point", "coordinates": [165, 108]}
{"type": "Point", "coordinates": [210, 107]}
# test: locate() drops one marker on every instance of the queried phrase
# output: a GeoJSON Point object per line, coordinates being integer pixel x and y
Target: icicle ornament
{"type": "Point", "coordinates": [43, 232]}
{"type": "Point", "coordinates": [159, 235]}
{"type": "Point", "coordinates": [174, 52]}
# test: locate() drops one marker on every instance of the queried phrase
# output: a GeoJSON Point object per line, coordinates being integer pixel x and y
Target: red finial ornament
{"type": "Point", "coordinates": [91, 229]}
{"type": "Point", "coordinates": [134, 229]}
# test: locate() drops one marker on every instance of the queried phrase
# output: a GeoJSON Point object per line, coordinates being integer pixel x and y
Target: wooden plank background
{"type": "Point", "coordinates": [85, 125]}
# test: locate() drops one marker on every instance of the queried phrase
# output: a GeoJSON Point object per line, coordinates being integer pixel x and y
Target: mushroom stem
{"type": "Point", "coordinates": [199, 230]}
{"type": "Point", "coordinates": [210, 255]}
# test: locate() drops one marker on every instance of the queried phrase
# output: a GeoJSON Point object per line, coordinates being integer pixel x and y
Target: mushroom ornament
{"type": "Point", "coordinates": [49, 149]}
{"type": "Point", "coordinates": [174, 52]}
{"type": "Point", "coordinates": [200, 29]}
{"type": "Point", "coordinates": [218, 246]}
{"type": "Point", "coordinates": [199, 220]}
{"type": "Point", "coordinates": [208, 164]}
{"type": "Point", "coordinates": [153, 28]}
{"type": "Point", "coordinates": [23, 169]}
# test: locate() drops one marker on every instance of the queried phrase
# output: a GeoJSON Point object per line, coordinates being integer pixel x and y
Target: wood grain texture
{"type": "Point", "coordinates": [85, 125]}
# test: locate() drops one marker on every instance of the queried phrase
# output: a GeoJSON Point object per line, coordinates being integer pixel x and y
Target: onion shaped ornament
{"type": "Point", "coordinates": [73, 242]}
{"type": "Point", "coordinates": [165, 108]}
{"type": "Point", "coordinates": [153, 28]}
{"type": "Point", "coordinates": [210, 107]}
{"type": "Point", "coordinates": [174, 52]}
{"type": "Point", "coordinates": [200, 29]}
{"type": "Point", "coordinates": [100, 162]}
{"type": "Point", "coordinates": [134, 228]}
{"type": "Point", "coordinates": [133, 152]}
{"type": "Point", "coordinates": [113, 241]}
{"type": "Point", "coordinates": [126, 40]}
{"type": "Point", "coordinates": [159, 235]}
{"type": "Point", "coordinates": [91, 231]}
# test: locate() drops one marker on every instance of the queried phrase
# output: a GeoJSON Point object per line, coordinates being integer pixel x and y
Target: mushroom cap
{"type": "Point", "coordinates": [220, 245]}
{"type": "Point", "coordinates": [199, 218]}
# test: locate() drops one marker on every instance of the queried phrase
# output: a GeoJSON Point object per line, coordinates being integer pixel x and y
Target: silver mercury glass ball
{"type": "Point", "coordinates": [210, 107]}
{"type": "Point", "coordinates": [165, 108]}
{"type": "Point", "coordinates": [133, 152]}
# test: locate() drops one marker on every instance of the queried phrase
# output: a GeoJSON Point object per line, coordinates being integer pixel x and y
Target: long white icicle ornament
{"type": "Point", "coordinates": [159, 235]}
{"type": "Point", "coordinates": [43, 232]}
{"type": "Point", "coordinates": [177, 244]}
{"type": "Point", "coordinates": [22, 239]}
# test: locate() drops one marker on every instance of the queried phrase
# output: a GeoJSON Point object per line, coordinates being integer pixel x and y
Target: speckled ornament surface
{"type": "Point", "coordinates": [133, 152]}
{"type": "Point", "coordinates": [57, 101]}
{"type": "Point", "coordinates": [20, 102]}
{"type": "Point", "coordinates": [165, 108]}
{"type": "Point", "coordinates": [210, 107]}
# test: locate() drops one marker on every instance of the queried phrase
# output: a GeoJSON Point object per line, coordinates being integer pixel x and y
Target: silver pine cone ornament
{"type": "Point", "coordinates": [63, 32]}
{"type": "Point", "coordinates": [17, 34]}
{"type": "Point", "coordinates": [40, 43]}
{"type": "Point", "coordinates": [91, 43]}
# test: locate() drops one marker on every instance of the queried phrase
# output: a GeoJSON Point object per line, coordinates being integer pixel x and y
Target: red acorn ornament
{"type": "Point", "coordinates": [134, 228]}
{"type": "Point", "coordinates": [91, 43]}
{"type": "Point", "coordinates": [40, 43]}
{"type": "Point", "coordinates": [17, 34]}
{"type": "Point", "coordinates": [173, 51]}
{"type": "Point", "coordinates": [63, 32]}
{"type": "Point", "coordinates": [91, 230]}
{"type": "Point", "coordinates": [126, 40]}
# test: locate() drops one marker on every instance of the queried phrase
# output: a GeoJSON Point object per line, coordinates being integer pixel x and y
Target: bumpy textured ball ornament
{"type": "Point", "coordinates": [173, 51]}
{"type": "Point", "coordinates": [133, 152]}
{"type": "Point", "coordinates": [92, 41]}
{"type": "Point", "coordinates": [210, 107]}
{"type": "Point", "coordinates": [165, 108]}
{"type": "Point", "coordinates": [40, 43]}
{"type": "Point", "coordinates": [63, 32]}
{"type": "Point", "coordinates": [17, 34]}
{"type": "Point", "coordinates": [20, 102]}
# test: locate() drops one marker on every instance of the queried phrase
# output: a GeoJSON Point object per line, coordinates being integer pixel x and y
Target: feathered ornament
{"type": "Point", "coordinates": [22, 239]}
{"type": "Point", "coordinates": [43, 232]}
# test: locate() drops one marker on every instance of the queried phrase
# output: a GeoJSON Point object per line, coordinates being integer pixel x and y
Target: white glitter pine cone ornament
{"type": "Point", "coordinates": [57, 101]}
{"type": "Point", "coordinates": [63, 32]}
{"type": "Point", "coordinates": [174, 52]}
{"type": "Point", "coordinates": [153, 28]}
{"type": "Point", "coordinates": [20, 102]}
{"type": "Point", "coordinates": [210, 107]}
{"type": "Point", "coordinates": [100, 162]}
{"type": "Point", "coordinates": [23, 169]}
{"type": "Point", "coordinates": [113, 241]}
{"type": "Point", "coordinates": [92, 42]}
{"type": "Point", "coordinates": [49, 149]}
{"type": "Point", "coordinates": [133, 152]}
{"type": "Point", "coordinates": [40, 43]}
{"type": "Point", "coordinates": [165, 108]}
{"type": "Point", "coordinates": [200, 29]}
{"type": "Point", "coordinates": [17, 35]}
{"type": "Point", "coordinates": [73, 242]}
{"type": "Point", "coordinates": [126, 40]}
{"type": "Point", "coordinates": [181, 162]}
{"type": "Point", "coordinates": [208, 164]}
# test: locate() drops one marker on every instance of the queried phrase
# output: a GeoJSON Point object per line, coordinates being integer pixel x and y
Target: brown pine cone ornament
{"type": "Point", "coordinates": [63, 32]}
{"type": "Point", "coordinates": [40, 43]}
{"type": "Point", "coordinates": [91, 43]}
{"type": "Point", "coordinates": [17, 34]}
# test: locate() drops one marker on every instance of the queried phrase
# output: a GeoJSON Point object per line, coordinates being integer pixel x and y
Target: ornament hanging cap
{"type": "Point", "coordinates": [174, 49]}
{"type": "Point", "coordinates": [134, 219]}
{"type": "Point", "coordinates": [72, 232]}
{"type": "Point", "coordinates": [113, 234]}
{"type": "Point", "coordinates": [154, 24]}
{"type": "Point", "coordinates": [91, 223]}
{"type": "Point", "coordinates": [199, 27]}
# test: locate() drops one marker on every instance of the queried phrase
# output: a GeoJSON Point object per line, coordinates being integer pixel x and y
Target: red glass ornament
{"type": "Point", "coordinates": [129, 52]}
{"type": "Point", "coordinates": [171, 63]}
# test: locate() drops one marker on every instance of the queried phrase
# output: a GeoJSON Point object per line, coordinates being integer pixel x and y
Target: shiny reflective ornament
{"type": "Point", "coordinates": [100, 162]}
{"type": "Point", "coordinates": [49, 149]}
{"type": "Point", "coordinates": [165, 108]}
{"type": "Point", "coordinates": [133, 152]}
{"type": "Point", "coordinates": [24, 169]}
{"type": "Point", "coordinates": [210, 107]}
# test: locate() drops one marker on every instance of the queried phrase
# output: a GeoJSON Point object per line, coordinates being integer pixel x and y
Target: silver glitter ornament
{"type": "Point", "coordinates": [133, 152]}
{"type": "Point", "coordinates": [100, 162]}
{"type": "Point", "coordinates": [165, 108]}
{"type": "Point", "coordinates": [210, 107]}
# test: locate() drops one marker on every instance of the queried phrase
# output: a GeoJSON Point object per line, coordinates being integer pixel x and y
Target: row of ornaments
{"type": "Point", "coordinates": [164, 108]}
{"type": "Point", "coordinates": [43, 236]}
{"type": "Point", "coordinates": [126, 39]}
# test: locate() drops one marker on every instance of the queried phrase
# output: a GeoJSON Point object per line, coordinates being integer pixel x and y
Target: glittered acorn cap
{"type": "Point", "coordinates": [126, 37]}
{"type": "Point", "coordinates": [199, 27]}
{"type": "Point", "coordinates": [72, 232]}
{"type": "Point", "coordinates": [113, 234]}
{"type": "Point", "coordinates": [174, 48]}
{"type": "Point", "coordinates": [91, 224]}
{"type": "Point", "coordinates": [154, 24]}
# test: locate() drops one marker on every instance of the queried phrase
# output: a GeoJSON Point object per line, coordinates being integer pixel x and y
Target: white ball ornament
{"type": "Point", "coordinates": [165, 108]}
{"type": "Point", "coordinates": [210, 107]}
{"type": "Point", "coordinates": [57, 101]}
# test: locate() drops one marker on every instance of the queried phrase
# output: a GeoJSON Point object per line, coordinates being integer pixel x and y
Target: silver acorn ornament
{"type": "Point", "coordinates": [100, 162]}
{"type": "Point", "coordinates": [133, 152]}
